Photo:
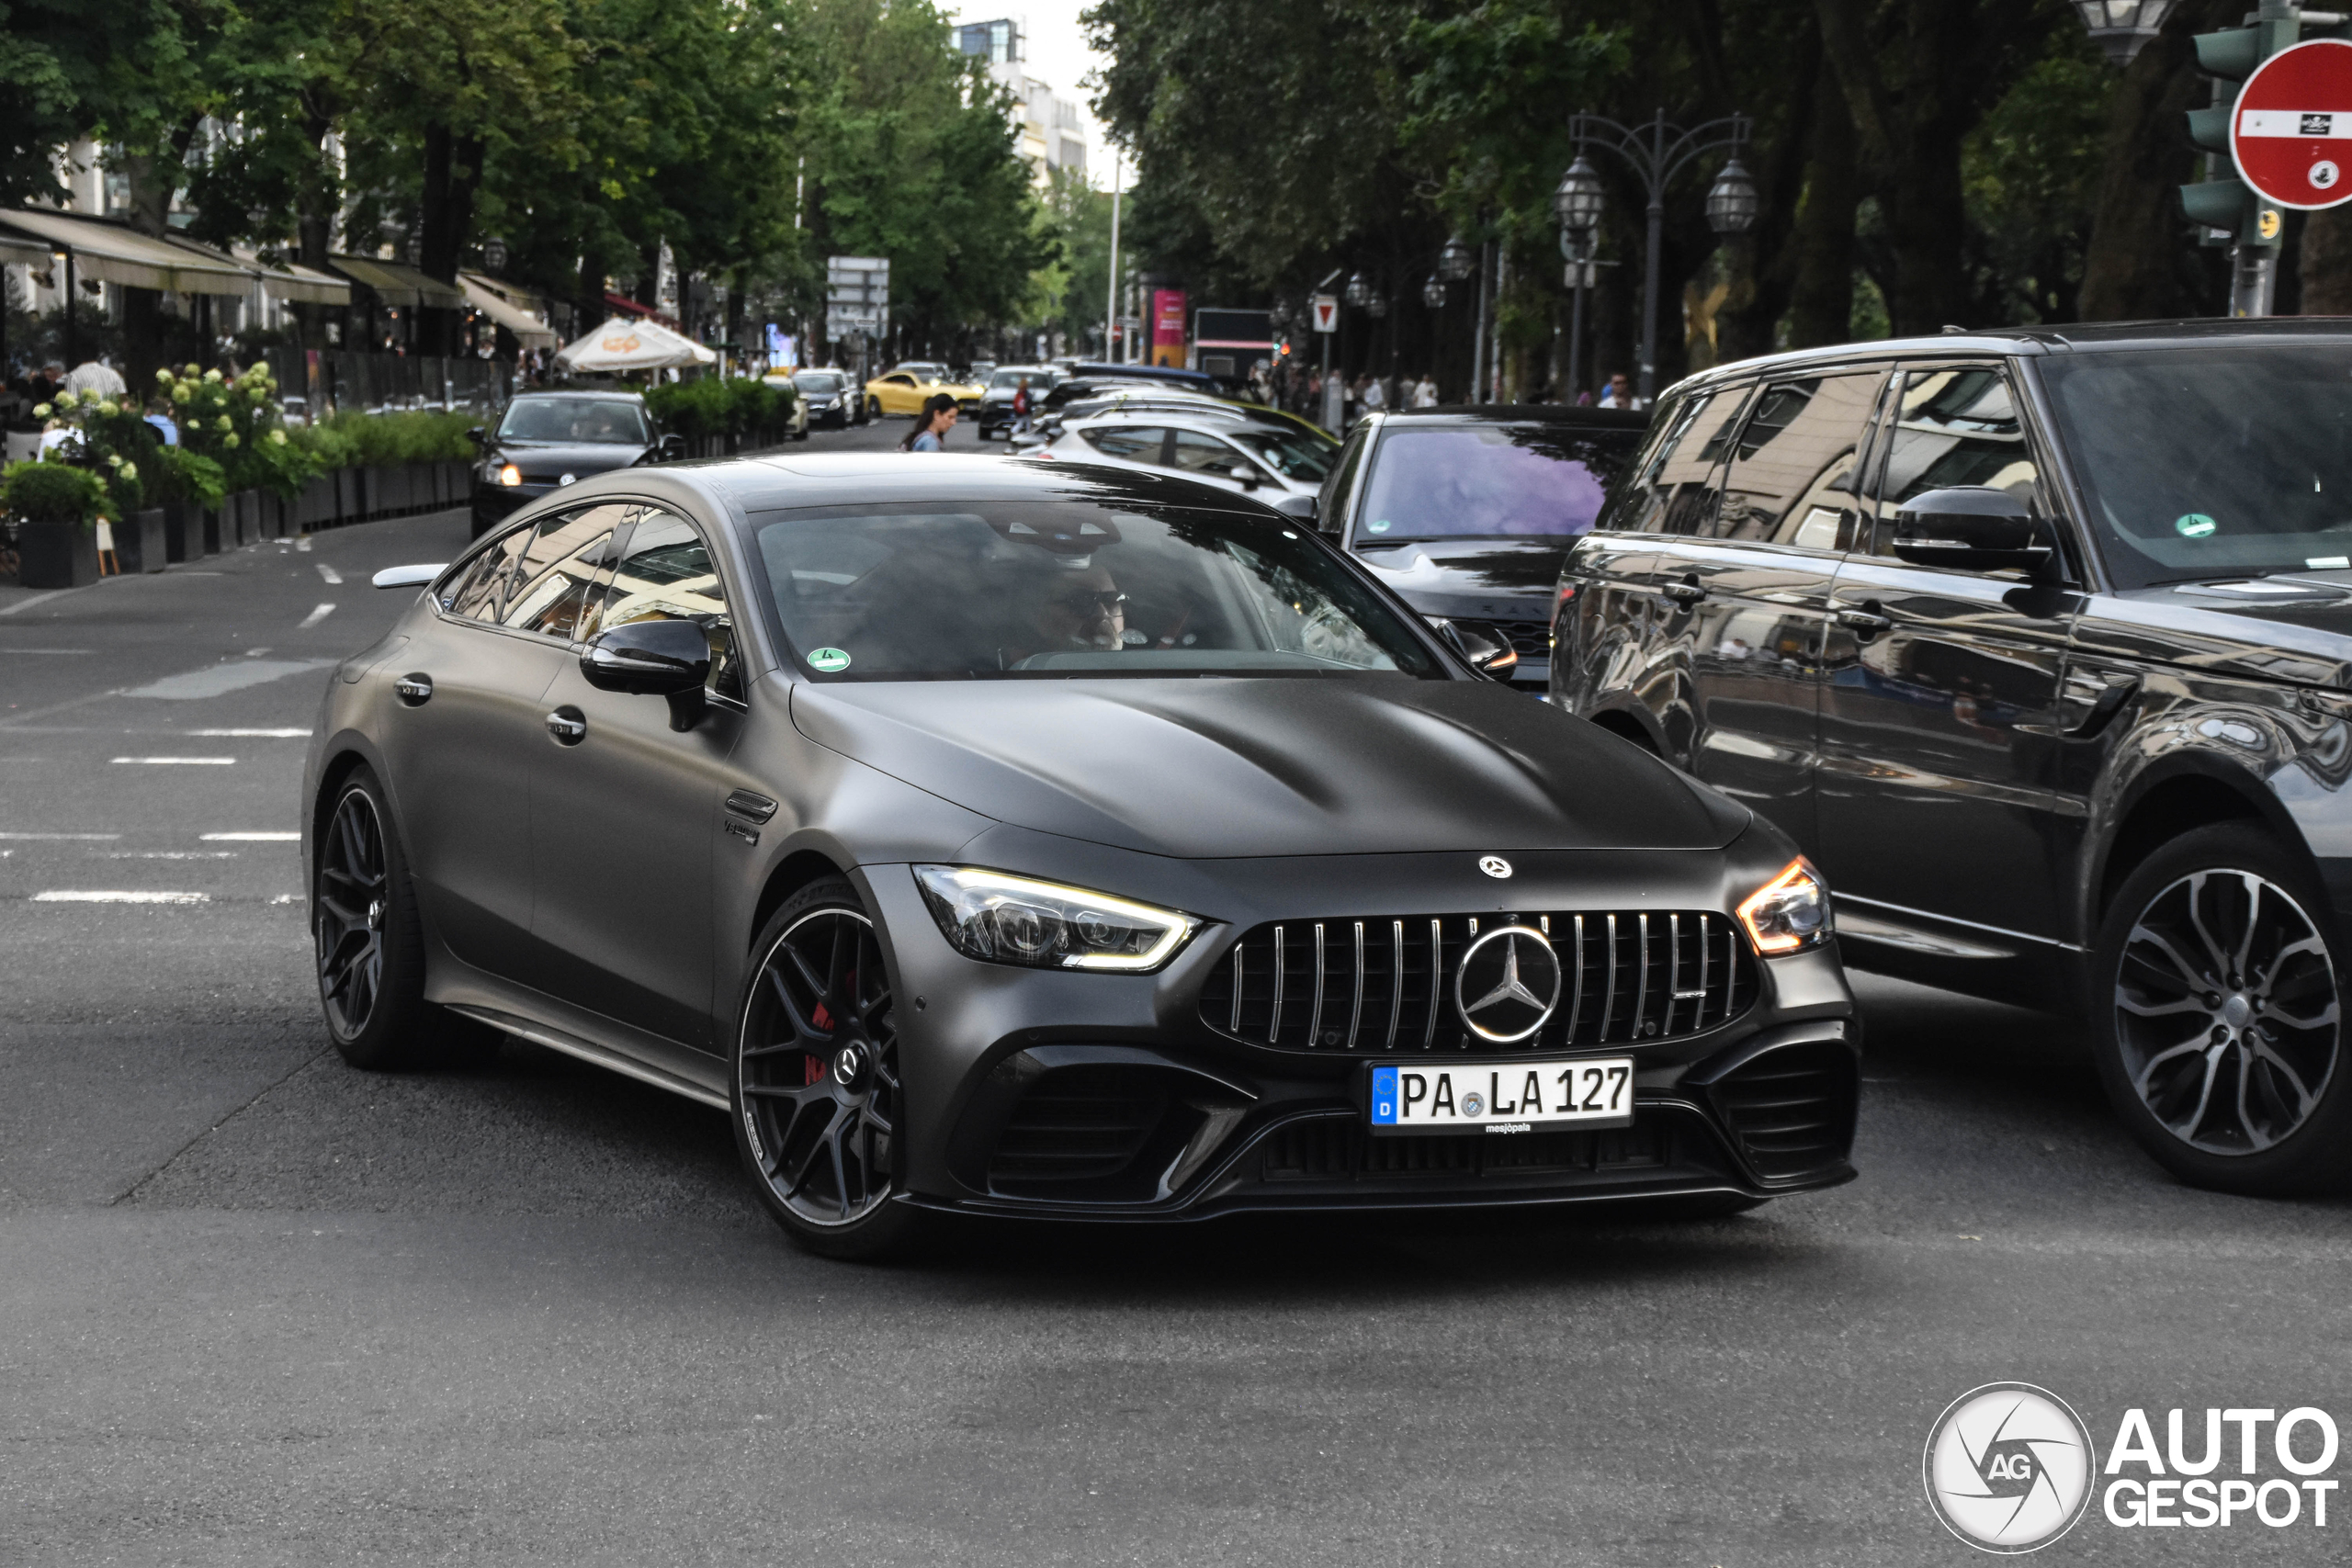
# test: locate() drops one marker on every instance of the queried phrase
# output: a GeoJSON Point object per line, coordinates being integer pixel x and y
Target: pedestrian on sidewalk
{"type": "Point", "coordinates": [95, 377]}
{"type": "Point", "coordinates": [1620, 392]}
{"type": "Point", "coordinates": [932, 425]}
{"type": "Point", "coordinates": [1374, 397]}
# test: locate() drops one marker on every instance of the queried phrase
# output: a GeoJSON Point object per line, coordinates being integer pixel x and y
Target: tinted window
{"type": "Point", "coordinates": [818, 382]}
{"type": "Point", "coordinates": [1488, 481]}
{"type": "Point", "coordinates": [664, 572]}
{"type": "Point", "coordinates": [558, 581]}
{"type": "Point", "coordinates": [1335, 489]}
{"type": "Point", "coordinates": [1134, 443]}
{"type": "Point", "coordinates": [1294, 455]}
{"type": "Point", "coordinates": [1198, 453]}
{"type": "Point", "coordinates": [1792, 479]}
{"type": "Point", "coordinates": [1072, 589]}
{"type": "Point", "coordinates": [1672, 489]}
{"type": "Point", "coordinates": [2212, 462]}
{"type": "Point", "coordinates": [1956, 426]}
{"type": "Point", "coordinates": [594, 421]}
{"type": "Point", "coordinates": [477, 592]}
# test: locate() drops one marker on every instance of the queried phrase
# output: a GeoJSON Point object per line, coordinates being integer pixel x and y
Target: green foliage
{"type": "Point", "coordinates": [743, 408]}
{"type": "Point", "coordinates": [388, 440]}
{"type": "Point", "coordinates": [116, 443]}
{"type": "Point", "coordinates": [54, 492]}
{"type": "Point", "coordinates": [185, 479]}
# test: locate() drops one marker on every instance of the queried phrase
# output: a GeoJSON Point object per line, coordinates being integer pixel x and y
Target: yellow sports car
{"type": "Point", "coordinates": [905, 389]}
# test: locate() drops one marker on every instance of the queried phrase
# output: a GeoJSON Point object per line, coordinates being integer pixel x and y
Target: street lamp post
{"type": "Point", "coordinates": [1579, 204]}
{"type": "Point", "coordinates": [2122, 28]}
{"type": "Point", "coordinates": [1656, 153]}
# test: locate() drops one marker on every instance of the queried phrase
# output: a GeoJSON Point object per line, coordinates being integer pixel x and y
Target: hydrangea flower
{"type": "Point", "coordinates": [228, 441]}
{"type": "Point", "coordinates": [66, 400]}
{"type": "Point", "coordinates": [42, 412]}
{"type": "Point", "coordinates": [278, 438]}
{"type": "Point", "coordinates": [225, 422]}
{"type": "Point", "coordinates": [212, 376]}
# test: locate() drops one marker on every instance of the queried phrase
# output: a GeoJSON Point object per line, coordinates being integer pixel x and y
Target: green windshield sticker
{"type": "Point", "coordinates": [827, 660]}
{"type": "Point", "coordinates": [2195, 526]}
{"type": "Point", "coordinates": [1381, 526]}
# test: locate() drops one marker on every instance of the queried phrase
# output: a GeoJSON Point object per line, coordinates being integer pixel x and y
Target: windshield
{"type": "Point", "coordinates": [596, 420]}
{"type": "Point", "coordinates": [1039, 381]}
{"type": "Point", "coordinates": [1295, 457]}
{"type": "Point", "coordinates": [1067, 590]}
{"type": "Point", "coordinates": [2199, 463]}
{"type": "Point", "coordinates": [1489, 482]}
{"type": "Point", "coordinates": [818, 382]}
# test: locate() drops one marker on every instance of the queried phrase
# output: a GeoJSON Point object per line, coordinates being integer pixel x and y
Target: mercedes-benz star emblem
{"type": "Point", "coordinates": [1515, 978]}
{"type": "Point", "coordinates": [847, 1064]}
{"type": "Point", "coordinates": [1494, 865]}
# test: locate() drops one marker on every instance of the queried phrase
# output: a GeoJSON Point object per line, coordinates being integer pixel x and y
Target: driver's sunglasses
{"type": "Point", "coordinates": [1108, 600]}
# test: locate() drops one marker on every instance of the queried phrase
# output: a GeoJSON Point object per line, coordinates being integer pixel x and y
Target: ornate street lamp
{"type": "Point", "coordinates": [1732, 202]}
{"type": "Point", "coordinates": [1453, 262]}
{"type": "Point", "coordinates": [2122, 27]}
{"type": "Point", "coordinates": [1358, 292]}
{"type": "Point", "coordinates": [1581, 200]}
{"type": "Point", "coordinates": [1375, 304]}
{"type": "Point", "coordinates": [1433, 292]}
{"type": "Point", "coordinates": [493, 255]}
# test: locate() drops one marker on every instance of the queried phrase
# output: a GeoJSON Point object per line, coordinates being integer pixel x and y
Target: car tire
{"type": "Point", "coordinates": [367, 936]}
{"type": "Point", "coordinates": [2232, 1077]}
{"type": "Point", "coordinates": [873, 409]}
{"type": "Point", "coordinates": [813, 1079]}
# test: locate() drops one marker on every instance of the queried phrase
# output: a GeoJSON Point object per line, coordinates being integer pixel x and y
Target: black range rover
{"type": "Point", "coordinates": [2040, 644]}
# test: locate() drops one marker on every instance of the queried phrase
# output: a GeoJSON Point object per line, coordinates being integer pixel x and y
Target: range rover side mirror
{"type": "Point", "coordinates": [477, 434]}
{"type": "Point", "coordinates": [1484, 651]}
{"type": "Point", "coordinates": [652, 659]}
{"type": "Point", "coordinates": [1972, 529]}
{"type": "Point", "coordinates": [1295, 505]}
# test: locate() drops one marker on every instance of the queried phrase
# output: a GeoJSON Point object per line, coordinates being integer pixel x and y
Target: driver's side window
{"type": "Point", "coordinates": [664, 571]}
{"type": "Point", "coordinates": [1953, 425]}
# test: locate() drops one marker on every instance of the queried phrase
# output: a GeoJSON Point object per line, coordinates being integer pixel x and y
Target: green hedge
{"type": "Point", "coordinates": [54, 492]}
{"type": "Point", "coordinates": [745, 408]}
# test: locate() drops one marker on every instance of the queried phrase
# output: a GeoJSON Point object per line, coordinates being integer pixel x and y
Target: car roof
{"type": "Point", "coordinates": [860, 478]}
{"type": "Point", "coordinates": [580, 393]}
{"type": "Point", "coordinates": [1204, 422]}
{"type": "Point", "coordinates": [1525, 413]}
{"type": "Point", "coordinates": [2037, 342]}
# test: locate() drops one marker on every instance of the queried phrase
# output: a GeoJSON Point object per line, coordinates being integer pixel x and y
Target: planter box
{"type": "Point", "coordinates": [182, 532]}
{"type": "Point", "coordinates": [212, 530]}
{"type": "Point", "coordinates": [56, 554]}
{"type": "Point", "coordinates": [380, 497]}
{"type": "Point", "coordinates": [314, 508]}
{"type": "Point", "coordinates": [349, 502]}
{"type": "Point", "coordinates": [139, 544]}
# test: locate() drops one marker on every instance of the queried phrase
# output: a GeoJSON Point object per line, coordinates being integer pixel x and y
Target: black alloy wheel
{"type": "Point", "coordinates": [2223, 1011]}
{"type": "Point", "coordinates": [873, 408]}
{"type": "Point", "coordinates": [819, 1105]}
{"type": "Point", "coordinates": [370, 942]}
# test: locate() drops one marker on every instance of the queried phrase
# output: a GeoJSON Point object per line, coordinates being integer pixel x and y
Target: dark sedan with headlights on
{"type": "Point", "coordinates": [831, 399]}
{"type": "Point", "coordinates": [1008, 838]}
{"type": "Point", "coordinates": [544, 441]}
{"type": "Point", "coordinates": [1469, 513]}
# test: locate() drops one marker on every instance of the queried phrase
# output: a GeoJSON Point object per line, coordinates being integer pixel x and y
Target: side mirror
{"type": "Point", "coordinates": [477, 436]}
{"type": "Point", "coordinates": [652, 659]}
{"type": "Point", "coordinates": [670, 448]}
{"type": "Point", "coordinates": [1484, 651]}
{"type": "Point", "coordinates": [406, 576]}
{"type": "Point", "coordinates": [1299, 506]}
{"type": "Point", "coordinates": [1245, 474]}
{"type": "Point", "coordinates": [1972, 529]}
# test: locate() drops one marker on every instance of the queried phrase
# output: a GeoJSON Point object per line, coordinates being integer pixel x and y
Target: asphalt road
{"type": "Point", "coordinates": [258, 1308]}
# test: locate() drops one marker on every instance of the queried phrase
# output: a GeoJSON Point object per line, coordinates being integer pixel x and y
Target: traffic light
{"type": "Point", "coordinates": [2226, 203]}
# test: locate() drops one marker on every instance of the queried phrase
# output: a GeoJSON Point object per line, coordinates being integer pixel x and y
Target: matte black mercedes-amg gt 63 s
{"type": "Point", "coordinates": [1013, 837]}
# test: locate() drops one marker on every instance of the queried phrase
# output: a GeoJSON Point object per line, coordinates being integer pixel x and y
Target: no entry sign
{"type": "Point", "coordinates": [2292, 133]}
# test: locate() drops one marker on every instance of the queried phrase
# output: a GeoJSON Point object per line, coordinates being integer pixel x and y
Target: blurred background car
{"type": "Point", "coordinates": [1281, 469]}
{"type": "Point", "coordinates": [826, 395]}
{"type": "Point", "coordinates": [543, 441]}
{"type": "Point", "coordinates": [904, 389]}
{"type": "Point", "coordinates": [796, 423]}
{"type": "Point", "coordinates": [1469, 513]}
{"type": "Point", "coordinates": [996, 403]}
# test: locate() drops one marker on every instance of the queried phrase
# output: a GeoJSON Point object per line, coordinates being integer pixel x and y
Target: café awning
{"type": "Point", "coordinates": [115, 253]}
{"type": "Point", "coordinates": [297, 284]}
{"type": "Point", "coordinates": [399, 285]}
{"type": "Point", "coordinates": [485, 295]}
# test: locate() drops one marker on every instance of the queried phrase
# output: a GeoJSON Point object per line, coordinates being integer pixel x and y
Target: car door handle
{"type": "Point", "coordinates": [1684, 593]}
{"type": "Point", "coordinates": [415, 690]}
{"type": "Point", "coordinates": [569, 726]}
{"type": "Point", "coordinates": [1865, 622]}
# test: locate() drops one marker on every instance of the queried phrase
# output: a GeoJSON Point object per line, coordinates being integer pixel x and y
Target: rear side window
{"type": "Point", "coordinates": [1673, 486]}
{"type": "Point", "coordinates": [1131, 443]}
{"type": "Point", "coordinates": [1792, 476]}
{"type": "Point", "coordinates": [479, 592]}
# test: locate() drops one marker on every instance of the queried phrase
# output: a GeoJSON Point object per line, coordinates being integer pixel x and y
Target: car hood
{"type": "Point", "coordinates": [1203, 769]}
{"type": "Point", "coordinates": [1503, 579]}
{"type": "Point", "coordinates": [569, 458]}
{"type": "Point", "coordinates": [2296, 628]}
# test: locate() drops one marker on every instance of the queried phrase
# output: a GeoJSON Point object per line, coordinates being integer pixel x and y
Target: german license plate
{"type": "Point", "coordinates": [1520, 1097]}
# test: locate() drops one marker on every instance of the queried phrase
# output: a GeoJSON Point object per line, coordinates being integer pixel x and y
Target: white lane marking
{"type": "Point", "coordinates": [315, 617]}
{"type": "Point", "coordinates": [303, 544]}
{"type": "Point", "coordinates": [62, 895]}
{"type": "Point", "coordinates": [260, 734]}
{"type": "Point", "coordinates": [36, 598]}
{"type": "Point", "coordinates": [54, 837]}
{"type": "Point", "coordinates": [255, 652]}
{"type": "Point", "coordinates": [218, 680]}
{"type": "Point", "coordinates": [249, 838]}
{"type": "Point", "coordinates": [167, 854]}
{"type": "Point", "coordinates": [182, 762]}
{"type": "Point", "coordinates": [284, 898]}
{"type": "Point", "coordinates": [328, 572]}
{"type": "Point", "coordinates": [44, 650]}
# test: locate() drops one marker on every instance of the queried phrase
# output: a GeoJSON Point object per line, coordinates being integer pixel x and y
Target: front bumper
{"type": "Point", "coordinates": [1084, 1095]}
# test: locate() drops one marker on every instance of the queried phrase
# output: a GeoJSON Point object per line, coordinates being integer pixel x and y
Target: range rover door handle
{"type": "Point", "coordinates": [1684, 593]}
{"type": "Point", "coordinates": [1866, 622]}
{"type": "Point", "coordinates": [569, 726]}
{"type": "Point", "coordinates": [414, 690]}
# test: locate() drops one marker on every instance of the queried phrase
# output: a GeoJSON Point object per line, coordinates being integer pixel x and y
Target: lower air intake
{"type": "Point", "coordinates": [1792, 1110]}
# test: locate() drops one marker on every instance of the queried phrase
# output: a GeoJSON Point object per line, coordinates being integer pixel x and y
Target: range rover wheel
{"type": "Point", "coordinates": [819, 1102]}
{"type": "Point", "coordinates": [370, 942]}
{"type": "Point", "coordinates": [2221, 987]}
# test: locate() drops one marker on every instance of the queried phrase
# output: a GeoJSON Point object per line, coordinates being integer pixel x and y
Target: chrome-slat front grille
{"type": "Point", "coordinates": [1387, 983]}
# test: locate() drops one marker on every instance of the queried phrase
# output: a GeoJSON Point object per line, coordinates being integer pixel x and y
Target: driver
{"type": "Point", "coordinates": [1079, 610]}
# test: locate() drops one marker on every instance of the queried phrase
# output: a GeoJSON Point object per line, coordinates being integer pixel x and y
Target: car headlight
{"type": "Point", "coordinates": [1790, 912]}
{"type": "Point", "coordinates": [510, 475]}
{"type": "Point", "coordinates": [1004, 918]}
